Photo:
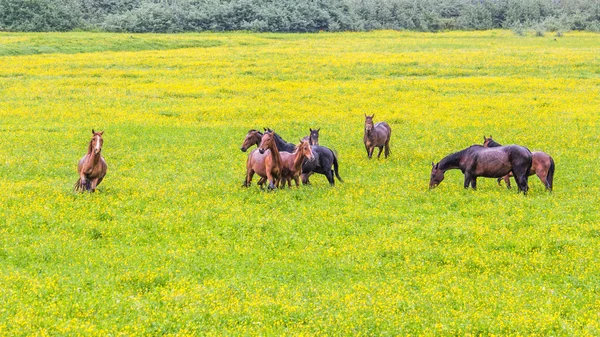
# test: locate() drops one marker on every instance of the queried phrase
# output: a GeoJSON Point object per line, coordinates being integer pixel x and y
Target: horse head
{"type": "Point", "coordinates": [96, 142]}
{"type": "Point", "coordinates": [486, 141]}
{"type": "Point", "coordinates": [267, 142]}
{"type": "Point", "coordinates": [313, 138]}
{"type": "Point", "coordinates": [369, 123]}
{"type": "Point", "coordinates": [253, 137]}
{"type": "Point", "coordinates": [305, 150]}
{"type": "Point", "coordinates": [437, 176]}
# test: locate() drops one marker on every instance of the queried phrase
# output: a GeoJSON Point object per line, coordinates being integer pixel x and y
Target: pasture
{"type": "Point", "coordinates": [171, 243]}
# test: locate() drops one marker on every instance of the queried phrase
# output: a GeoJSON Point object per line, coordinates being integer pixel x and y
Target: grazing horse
{"type": "Point", "coordinates": [92, 167]}
{"type": "Point", "coordinates": [264, 161]}
{"type": "Point", "coordinates": [253, 137]}
{"type": "Point", "coordinates": [542, 165]}
{"type": "Point", "coordinates": [291, 163]}
{"type": "Point", "coordinates": [490, 162]}
{"type": "Point", "coordinates": [377, 135]}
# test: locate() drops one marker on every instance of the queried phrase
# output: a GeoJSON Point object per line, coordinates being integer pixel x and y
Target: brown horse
{"type": "Point", "coordinates": [542, 165]}
{"type": "Point", "coordinates": [253, 137]}
{"type": "Point", "coordinates": [92, 167]}
{"type": "Point", "coordinates": [264, 161]}
{"type": "Point", "coordinates": [377, 135]}
{"type": "Point", "coordinates": [291, 163]}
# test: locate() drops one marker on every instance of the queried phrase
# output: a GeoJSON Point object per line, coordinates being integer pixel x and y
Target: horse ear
{"type": "Point", "coordinates": [310, 129]}
{"type": "Point", "coordinates": [432, 164]}
{"type": "Point", "coordinates": [101, 133]}
{"type": "Point", "coordinates": [93, 132]}
{"type": "Point", "coordinates": [373, 115]}
{"type": "Point", "coordinates": [319, 129]}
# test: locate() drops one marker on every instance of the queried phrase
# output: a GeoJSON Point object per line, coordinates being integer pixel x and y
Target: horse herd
{"type": "Point", "coordinates": [279, 162]}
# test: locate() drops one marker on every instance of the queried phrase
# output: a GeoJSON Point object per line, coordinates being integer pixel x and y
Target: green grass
{"type": "Point", "coordinates": [172, 244]}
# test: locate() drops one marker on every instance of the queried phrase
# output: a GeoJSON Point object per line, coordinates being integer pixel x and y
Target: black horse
{"type": "Point", "coordinates": [542, 165]}
{"type": "Point", "coordinates": [325, 158]}
{"type": "Point", "coordinates": [490, 162]}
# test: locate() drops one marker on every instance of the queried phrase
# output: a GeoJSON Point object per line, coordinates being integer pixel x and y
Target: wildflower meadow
{"type": "Point", "coordinates": [172, 244]}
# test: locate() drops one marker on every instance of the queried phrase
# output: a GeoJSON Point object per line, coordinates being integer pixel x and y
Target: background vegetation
{"type": "Point", "coordinates": [297, 16]}
{"type": "Point", "coordinates": [172, 244]}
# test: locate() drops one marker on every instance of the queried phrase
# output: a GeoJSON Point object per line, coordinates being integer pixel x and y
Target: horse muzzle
{"type": "Point", "coordinates": [243, 149]}
{"type": "Point", "coordinates": [261, 151]}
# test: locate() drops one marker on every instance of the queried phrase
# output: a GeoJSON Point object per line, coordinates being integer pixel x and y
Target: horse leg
{"type": "Point", "coordinates": [329, 175]}
{"type": "Point", "coordinates": [249, 175]}
{"type": "Point", "coordinates": [474, 183]}
{"type": "Point", "coordinates": [271, 180]}
{"type": "Point", "coordinates": [297, 180]}
{"type": "Point", "coordinates": [507, 181]}
{"type": "Point", "coordinates": [521, 180]}
{"type": "Point", "coordinates": [387, 148]}
{"type": "Point", "coordinates": [305, 180]}
{"type": "Point", "coordinates": [371, 149]}
{"type": "Point", "coordinates": [380, 150]}
{"type": "Point", "coordinates": [367, 148]}
{"type": "Point", "coordinates": [467, 180]}
{"type": "Point", "coordinates": [543, 178]}
{"type": "Point", "coordinates": [93, 184]}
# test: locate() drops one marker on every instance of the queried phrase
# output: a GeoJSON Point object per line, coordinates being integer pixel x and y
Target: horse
{"type": "Point", "coordinates": [253, 137]}
{"type": "Point", "coordinates": [490, 162]}
{"type": "Point", "coordinates": [92, 167]}
{"type": "Point", "coordinates": [377, 135]}
{"type": "Point", "coordinates": [291, 163]}
{"type": "Point", "coordinates": [542, 165]}
{"type": "Point", "coordinates": [313, 137]}
{"type": "Point", "coordinates": [325, 158]}
{"type": "Point", "coordinates": [264, 161]}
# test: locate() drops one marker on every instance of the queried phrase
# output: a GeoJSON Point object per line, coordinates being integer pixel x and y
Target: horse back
{"type": "Point", "coordinates": [383, 130]}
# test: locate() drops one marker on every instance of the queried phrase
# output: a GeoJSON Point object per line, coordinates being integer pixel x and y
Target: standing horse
{"type": "Point", "coordinates": [542, 165]}
{"type": "Point", "coordinates": [377, 135]}
{"type": "Point", "coordinates": [325, 158]}
{"type": "Point", "coordinates": [291, 163]}
{"type": "Point", "coordinates": [264, 161]}
{"type": "Point", "coordinates": [490, 162]}
{"type": "Point", "coordinates": [92, 167]}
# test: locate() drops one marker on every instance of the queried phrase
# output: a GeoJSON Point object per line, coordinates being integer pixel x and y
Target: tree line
{"type": "Point", "coordinates": [171, 16]}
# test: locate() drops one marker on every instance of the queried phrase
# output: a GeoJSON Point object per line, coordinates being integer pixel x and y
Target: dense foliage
{"type": "Point", "coordinates": [296, 16]}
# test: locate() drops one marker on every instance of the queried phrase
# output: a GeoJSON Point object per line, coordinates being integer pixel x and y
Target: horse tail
{"type": "Point", "coordinates": [550, 175]}
{"type": "Point", "coordinates": [336, 166]}
{"type": "Point", "coordinates": [78, 186]}
{"type": "Point", "coordinates": [387, 142]}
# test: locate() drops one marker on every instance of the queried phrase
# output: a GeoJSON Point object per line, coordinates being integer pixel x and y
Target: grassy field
{"type": "Point", "coordinates": [172, 244]}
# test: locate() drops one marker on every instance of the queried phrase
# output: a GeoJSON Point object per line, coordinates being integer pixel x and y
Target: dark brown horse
{"type": "Point", "coordinates": [92, 167]}
{"type": "Point", "coordinates": [313, 137]}
{"type": "Point", "coordinates": [264, 161]}
{"type": "Point", "coordinates": [490, 162]}
{"type": "Point", "coordinates": [291, 163]}
{"type": "Point", "coordinates": [253, 137]}
{"type": "Point", "coordinates": [377, 135]}
{"type": "Point", "coordinates": [542, 165]}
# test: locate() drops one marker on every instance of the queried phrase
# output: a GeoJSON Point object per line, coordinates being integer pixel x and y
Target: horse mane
{"type": "Point", "coordinates": [493, 143]}
{"type": "Point", "coordinates": [90, 149]}
{"type": "Point", "coordinates": [452, 159]}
